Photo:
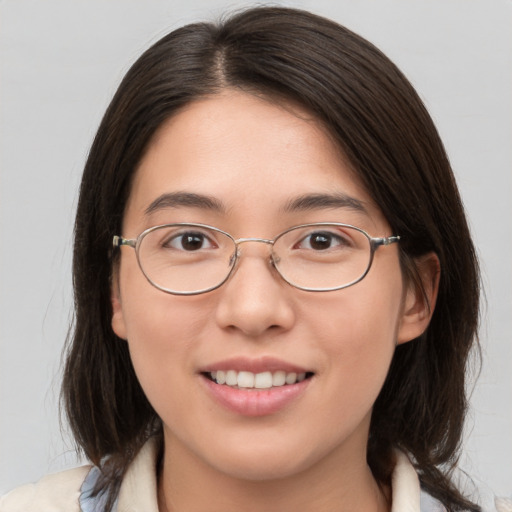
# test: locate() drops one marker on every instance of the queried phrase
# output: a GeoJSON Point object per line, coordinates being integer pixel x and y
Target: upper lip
{"type": "Point", "coordinates": [254, 365]}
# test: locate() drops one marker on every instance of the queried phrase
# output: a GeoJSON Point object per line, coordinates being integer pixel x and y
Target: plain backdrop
{"type": "Point", "coordinates": [61, 61]}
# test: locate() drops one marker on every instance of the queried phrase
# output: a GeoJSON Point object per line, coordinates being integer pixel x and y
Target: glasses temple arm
{"type": "Point", "coordinates": [385, 240]}
{"type": "Point", "coordinates": [118, 241]}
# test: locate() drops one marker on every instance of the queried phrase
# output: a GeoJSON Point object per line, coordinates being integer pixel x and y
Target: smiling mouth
{"type": "Point", "coordinates": [248, 380]}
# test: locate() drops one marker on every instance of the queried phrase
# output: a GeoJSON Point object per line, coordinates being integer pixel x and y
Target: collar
{"type": "Point", "coordinates": [138, 489]}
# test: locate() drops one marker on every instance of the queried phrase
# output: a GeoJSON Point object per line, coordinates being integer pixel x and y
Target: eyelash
{"type": "Point", "coordinates": [333, 237]}
{"type": "Point", "coordinates": [167, 243]}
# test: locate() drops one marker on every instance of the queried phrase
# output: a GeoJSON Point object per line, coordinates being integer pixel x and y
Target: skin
{"type": "Point", "coordinates": [254, 156]}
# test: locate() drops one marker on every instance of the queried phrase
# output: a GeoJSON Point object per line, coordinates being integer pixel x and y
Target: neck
{"type": "Point", "coordinates": [188, 484]}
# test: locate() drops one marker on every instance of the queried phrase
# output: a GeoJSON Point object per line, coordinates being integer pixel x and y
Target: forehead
{"type": "Point", "coordinates": [251, 155]}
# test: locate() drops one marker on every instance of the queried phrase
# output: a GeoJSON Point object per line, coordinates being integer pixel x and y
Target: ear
{"type": "Point", "coordinates": [118, 324]}
{"type": "Point", "coordinates": [420, 298]}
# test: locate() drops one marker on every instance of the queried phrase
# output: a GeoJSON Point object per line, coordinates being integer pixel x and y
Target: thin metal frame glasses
{"type": "Point", "coordinates": [190, 259]}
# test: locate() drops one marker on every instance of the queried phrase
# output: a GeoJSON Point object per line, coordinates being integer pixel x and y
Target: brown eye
{"type": "Point", "coordinates": [321, 241]}
{"type": "Point", "coordinates": [190, 241]}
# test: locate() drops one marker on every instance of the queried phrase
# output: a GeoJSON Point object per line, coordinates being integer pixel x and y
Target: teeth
{"type": "Point", "coordinates": [264, 380]}
{"type": "Point", "coordinates": [278, 378]}
{"type": "Point", "coordinates": [245, 380]}
{"type": "Point", "coordinates": [291, 378]}
{"type": "Point", "coordinates": [231, 378]}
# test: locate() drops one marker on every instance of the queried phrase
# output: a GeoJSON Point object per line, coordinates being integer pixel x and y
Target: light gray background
{"type": "Point", "coordinates": [60, 63]}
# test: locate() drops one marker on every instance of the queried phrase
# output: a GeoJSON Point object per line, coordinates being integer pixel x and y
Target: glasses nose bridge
{"type": "Point", "coordinates": [241, 241]}
{"type": "Point", "coordinates": [259, 240]}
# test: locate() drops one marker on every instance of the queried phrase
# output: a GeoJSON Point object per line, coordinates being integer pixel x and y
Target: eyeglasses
{"type": "Point", "coordinates": [189, 259]}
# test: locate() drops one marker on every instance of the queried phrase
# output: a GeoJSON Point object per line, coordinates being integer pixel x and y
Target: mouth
{"type": "Point", "coordinates": [254, 387]}
{"type": "Point", "coordinates": [256, 381]}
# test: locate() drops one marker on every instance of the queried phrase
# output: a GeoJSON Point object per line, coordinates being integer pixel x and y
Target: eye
{"type": "Point", "coordinates": [321, 241]}
{"type": "Point", "coordinates": [189, 241]}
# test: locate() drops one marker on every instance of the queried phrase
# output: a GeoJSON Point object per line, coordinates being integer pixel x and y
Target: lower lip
{"type": "Point", "coordinates": [256, 402]}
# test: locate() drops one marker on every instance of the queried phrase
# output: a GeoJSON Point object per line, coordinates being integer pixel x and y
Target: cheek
{"type": "Point", "coordinates": [155, 320]}
{"type": "Point", "coordinates": [162, 339]}
{"type": "Point", "coordinates": [358, 330]}
{"type": "Point", "coordinates": [162, 331]}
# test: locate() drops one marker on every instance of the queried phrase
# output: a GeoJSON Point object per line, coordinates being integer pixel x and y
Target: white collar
{"type": "Point", "coordinates": [138, 489]}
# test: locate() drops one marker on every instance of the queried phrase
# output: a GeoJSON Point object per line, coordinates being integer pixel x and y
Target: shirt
{"type": "Point", "coordinates": [70, 491]}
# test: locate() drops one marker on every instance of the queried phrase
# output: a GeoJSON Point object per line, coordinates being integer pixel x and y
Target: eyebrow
{"type": "Point", "coordinates": [323, 201]}
{"type": "Point", "coordinates": [187, 199]}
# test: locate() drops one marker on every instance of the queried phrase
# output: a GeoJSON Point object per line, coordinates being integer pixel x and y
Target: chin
{"type": "Point", "coordinates": [263, 470]}
{"type": "Point", "coordinates": [258, 462]}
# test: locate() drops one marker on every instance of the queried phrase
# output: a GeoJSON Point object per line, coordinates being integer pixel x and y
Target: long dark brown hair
{"type": "Point", "coordinates": [383, 129]}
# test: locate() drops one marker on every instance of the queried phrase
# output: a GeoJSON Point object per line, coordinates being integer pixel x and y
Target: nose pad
{"type": "Point", "coordinates": [255, 298]}
{"type": "Point", "coordinates": [235, 256]}
{"type": "Point", "coordinates": [274, 261]}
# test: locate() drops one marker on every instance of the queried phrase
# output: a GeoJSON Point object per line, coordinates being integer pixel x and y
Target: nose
{"type": "Point", "coordinates": [255, 300]}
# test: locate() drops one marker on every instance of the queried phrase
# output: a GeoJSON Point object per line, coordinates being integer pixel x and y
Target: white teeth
{"type": "Point", "coordinates": [278, 378]}
{"type": "Point", "coordinates": [245, 380]}
{"type": "Point", "coordinates": [263, 380]}
{"type": "Point", "coordinates": [231, 378]}
{"type": "Point", "coordinates": [291, 378]}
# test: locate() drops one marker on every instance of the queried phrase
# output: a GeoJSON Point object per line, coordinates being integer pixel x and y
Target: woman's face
{"type": "Point", "coordinates": [253, 159]}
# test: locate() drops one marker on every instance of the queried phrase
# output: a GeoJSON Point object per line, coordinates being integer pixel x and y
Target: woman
{"type": "Point", "coordinates": [276, 290]}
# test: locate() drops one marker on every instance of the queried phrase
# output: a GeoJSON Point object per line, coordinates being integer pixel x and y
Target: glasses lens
{"type": "Point", "coordinates": [322, 257]}
{"type": "Point", "coordinates": [186, 258]}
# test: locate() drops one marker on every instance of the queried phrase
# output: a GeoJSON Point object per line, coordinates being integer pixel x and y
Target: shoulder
{"type": "Point", "coordinates": [59, 492]}
{"type": "Point", "coordinates": [406, 490]}
{"type": "Point", "coordinates": [407, 494]}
